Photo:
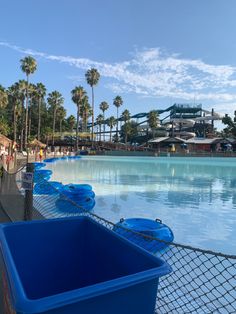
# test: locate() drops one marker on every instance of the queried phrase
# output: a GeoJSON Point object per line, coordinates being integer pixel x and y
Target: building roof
{"type": "Point", "coordinates": [36, 143]}
{"type": "Point", "coordinates": [5, 141]}
{"type": "Point", "coordinates": [167, 139]}
{"type": "Point", "coordinates": [199, 140]}
{"type": "Point", "coordinates": [231, 140]}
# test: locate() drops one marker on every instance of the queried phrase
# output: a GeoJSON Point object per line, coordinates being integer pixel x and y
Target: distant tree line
{"type": "Point", "coordinates": [28, 111]}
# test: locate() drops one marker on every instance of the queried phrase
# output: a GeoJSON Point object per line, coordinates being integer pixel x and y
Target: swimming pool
{"type": "Point", "coordinates": [196, 197]}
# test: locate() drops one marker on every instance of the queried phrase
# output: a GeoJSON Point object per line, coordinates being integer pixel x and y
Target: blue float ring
{"type": "Point", "coordinates": [76, 188]}
{"type": "Point", "coordinates": [148, 227]}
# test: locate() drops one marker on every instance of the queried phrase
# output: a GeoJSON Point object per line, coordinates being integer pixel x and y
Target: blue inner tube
{"type": "Point", "coordinates": [42, 174]}
{"type": "Point", "coordinates": [49, 188]}
{"type": "Point", "coordinates": [78, 196]}
{"type": "Point", "coordinates": [67, 207]}
{"type": "Point", "coordinates": [86, 202]}
{"type": "Point", "coordinates": [50, 159]}
{"type": "Point", "coordinates": [69, 189]}
{"type": "Point", "coordinates": [53, 159]}
{"type": "Point", "coordinates": [147, 227]}
{"type": "Point", "coordinates": [74, 157]}
{"type": "Point", "coordinates": [39, 165]}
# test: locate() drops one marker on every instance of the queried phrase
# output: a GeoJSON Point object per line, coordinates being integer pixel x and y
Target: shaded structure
{"type": "Point", "coordinates": [217, 144]}
{"type": "Point", "coordinates": [167, 143]}
{"type": "Point", "coordinates": [5, 144]}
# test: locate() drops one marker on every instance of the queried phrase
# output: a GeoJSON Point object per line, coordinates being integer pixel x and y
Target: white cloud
{"type": "Point", "coordinates": [223, 108]}
{"type": "Point", "coordinates": [153, 73]}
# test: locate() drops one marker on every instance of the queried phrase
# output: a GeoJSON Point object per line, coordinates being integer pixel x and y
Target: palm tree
{"type": "Point", "coordinates": [117, 102]}
{"type": "Point", "coordinates": [100, 121]}
{"type": "Point", "coordinates": [55, 100]}
{"type": "Point", "coordinates": [28, 66]}
{"type": "Point", "coordinates": [47, 132]}
{"type": "Point", "coordinates": [85, 112]}
{"type": "Point", "coordinates": [78, 93]}
{"type": "Point", "coordinates": [22, 90]}
{"type": "Point", "coordinates": [111, 123]}
{"type": "Point", "coordinates": [104, 106]}
{"type": "Point", "coordinates": [61, 114]}
{"type": "Point", "coordinates": [153, 121]}
{"type": "Point", "coordinates": [40, 91]}
{"type": "Point", "coordinates": [3, 97]}
{"type": "Point", "coordinates": [126, 117]}
{"type": "Point", "coordinates": [33, 98]}
{"type": "Point", "coordinates": [92, 77]}
{"type": "Point", "coordinates": [4, 126]}
{"type": "Point", "coordinates": [71, 122]}
{"type": "Point", "coordinates": [14, 97]}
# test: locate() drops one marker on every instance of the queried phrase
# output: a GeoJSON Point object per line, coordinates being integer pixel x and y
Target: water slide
{"type": "Point", "coordinates": [186, 122]}
{"type": "Point", "coordinates": [140, 115]}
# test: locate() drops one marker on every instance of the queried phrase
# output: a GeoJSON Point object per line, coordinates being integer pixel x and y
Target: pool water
{"type": "Point", "coordinates": [195, 197]}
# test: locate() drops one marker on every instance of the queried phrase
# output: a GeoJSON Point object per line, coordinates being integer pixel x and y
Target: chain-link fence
{"type": "Point", "coordinates": [201, 282]}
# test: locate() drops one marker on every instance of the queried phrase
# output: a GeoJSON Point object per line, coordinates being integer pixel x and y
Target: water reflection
{"type": "Point", "coordinates": [196, 197]}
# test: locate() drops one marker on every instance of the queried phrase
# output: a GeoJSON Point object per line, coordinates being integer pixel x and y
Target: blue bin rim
{"type": "Point", "coordinates": [23, 304]}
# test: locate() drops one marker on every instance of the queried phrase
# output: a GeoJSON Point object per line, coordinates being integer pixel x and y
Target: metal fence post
{"type": "Point", "coordinates": [29, 196]}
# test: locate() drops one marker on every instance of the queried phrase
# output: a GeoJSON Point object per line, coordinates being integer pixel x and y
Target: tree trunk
{"type": "Point", "coordinates": [14, 123]}
{"type": "Point", "coordinates": [22, 127]}
{"type": "Point", "coordinates": [26, 113]}
{"type": "Point", "coordinates": [92, 114]}
{"type": "Point", "coordinates": [104, 126]}
{"type": "Point", "coordinates": [29, 132]}
{"type": "Point", "coordinates": [85, 120]}
{"type": "Point", "coordinates": [53, 126]}
{"type": "Point", "coordinates": [117, 124]}
{"type": "Point", "coordinates": [77, 129]}
{"type": "Point", "coordinates": [60, 127]}
{"type": "Point", "coordinates": [39, 116]}
{"type": "Point", "coordinates": [100, 128]}
{"type": "Point", "coordinates": [110, 134]}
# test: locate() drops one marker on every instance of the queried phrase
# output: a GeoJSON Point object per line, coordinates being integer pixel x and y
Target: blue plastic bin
{"type": "Point", "coordinates": [75, 265]}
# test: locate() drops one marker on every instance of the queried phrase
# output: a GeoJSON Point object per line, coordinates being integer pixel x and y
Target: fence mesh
{"type": "Point", "coordinates": [201, 281]}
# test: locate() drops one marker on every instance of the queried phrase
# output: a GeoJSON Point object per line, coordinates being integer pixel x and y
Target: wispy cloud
{"type": "Point", "coordinates": [153, 73]}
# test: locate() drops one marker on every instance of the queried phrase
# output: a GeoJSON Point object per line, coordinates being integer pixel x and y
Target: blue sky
{"type": "Point", "coordinates": [151, 52]}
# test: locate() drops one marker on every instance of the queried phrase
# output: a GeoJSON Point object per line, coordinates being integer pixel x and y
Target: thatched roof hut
{"type": "Point", "coordinates": [5, 141]}
{"type": "Point", "coordinates": [37, 144]}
